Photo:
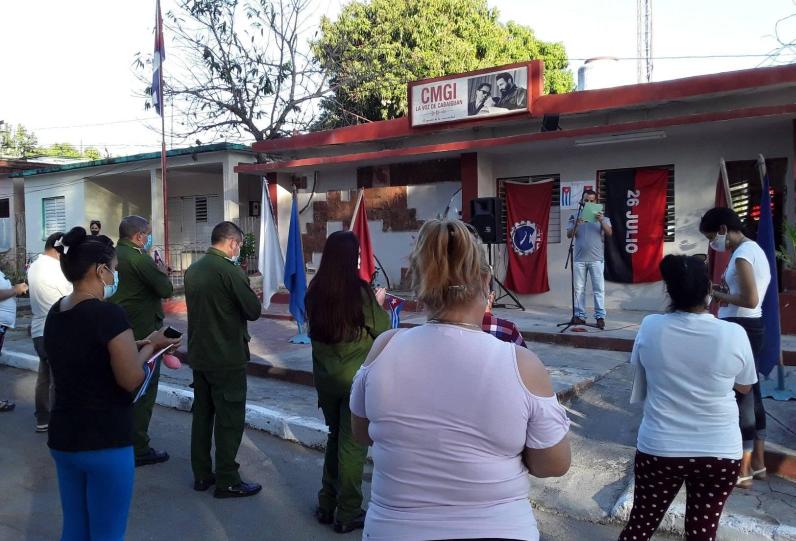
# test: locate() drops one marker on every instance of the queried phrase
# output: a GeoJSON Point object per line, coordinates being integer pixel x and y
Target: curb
{"type": "Point", "coordinates": [732, 527]}
{"type": "Point", "coordinates": [304, 430]}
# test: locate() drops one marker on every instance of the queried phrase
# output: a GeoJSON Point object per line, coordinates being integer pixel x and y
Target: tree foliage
{"type": "Point", "coordinates": [18, 142]}
{"type": "Point", "coordinates": [374, 47]}
{"type": "Point", "coordinates": [240, 67]}
{"type": "Point", "coordinates": [67, 150]}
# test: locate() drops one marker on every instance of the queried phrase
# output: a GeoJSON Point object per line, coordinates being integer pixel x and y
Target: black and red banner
{"type": "Point", "coordinates": [528, 213]}
{"type": "Point", "coordinates": [635, 201]}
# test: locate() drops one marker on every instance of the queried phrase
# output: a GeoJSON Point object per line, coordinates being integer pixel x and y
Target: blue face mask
{"type": "Point", "coordinates": [148, 243]}
{"type": "Point", "coordinates": [235, 259]}
{"type": "Point", "coordinates": [110, 290]}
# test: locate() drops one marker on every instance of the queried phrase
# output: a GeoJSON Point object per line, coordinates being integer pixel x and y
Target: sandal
{"type": "Point", "coordinates": [7, 405]}
{"type": "Point", "coordinates": [760, 474]}
{"type": "Point", "coordinates": [744, 482]}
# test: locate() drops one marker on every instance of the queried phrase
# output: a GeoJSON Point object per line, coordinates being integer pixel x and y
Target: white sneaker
{"type": "Point", "coordinates": [42, 428]}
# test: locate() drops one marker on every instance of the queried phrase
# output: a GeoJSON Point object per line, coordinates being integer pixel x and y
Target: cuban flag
{"type": "Point", "coordinates": [157, 62]}
{"type": "Point", "coordinates": [772, 331]}
{"type": "Point", "coordinates": [566, 196]}
{"type": "Point", "coordinates": [394, 305]}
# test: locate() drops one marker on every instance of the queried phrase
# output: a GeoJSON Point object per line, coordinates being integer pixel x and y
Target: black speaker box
{"type": "Point", "coordinates": [485, 215]}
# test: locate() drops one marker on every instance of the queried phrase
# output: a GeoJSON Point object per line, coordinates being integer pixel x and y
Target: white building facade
{"type": "Point", "coordinates": [411, 174]}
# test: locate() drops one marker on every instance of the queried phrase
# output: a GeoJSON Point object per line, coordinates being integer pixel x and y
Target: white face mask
{"type": "Point", "coordinates": [719, 243]}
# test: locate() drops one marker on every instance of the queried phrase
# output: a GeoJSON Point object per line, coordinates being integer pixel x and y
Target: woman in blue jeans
{"type": "Point", "coordinates": [96, 365]}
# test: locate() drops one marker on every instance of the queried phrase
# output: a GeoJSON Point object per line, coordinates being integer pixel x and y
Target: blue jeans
{"type": "Point", "coordinates": [594, 270]}
{"type": "Point", "coordinates": [96, 488]}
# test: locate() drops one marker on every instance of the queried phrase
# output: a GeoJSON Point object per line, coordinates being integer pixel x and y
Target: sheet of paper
{"type": "Point", "coordinates": [151, 364]}
{"type": "Point", "coordinates": [590, 211]}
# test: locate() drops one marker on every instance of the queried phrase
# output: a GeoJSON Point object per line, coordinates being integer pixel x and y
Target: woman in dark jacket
{"type": "Point", "coordinates": [345, 316]}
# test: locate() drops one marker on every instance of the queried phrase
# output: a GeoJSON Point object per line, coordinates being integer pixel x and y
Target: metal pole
{"type": "Point", "coordinates": [163, 161]}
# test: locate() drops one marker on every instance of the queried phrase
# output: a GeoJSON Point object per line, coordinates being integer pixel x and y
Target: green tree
{"type": "Point", "coordinates": [67, 150]}
{"type": "Point", "coordinates": [16, 142]}
{"type": "Point", "coordinates": [92, 153]}
{"type": "Point", "coordinates": [374, 47]}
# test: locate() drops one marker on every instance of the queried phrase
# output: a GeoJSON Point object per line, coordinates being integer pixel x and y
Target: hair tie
{"type": "Point", "coordinates": [62, 245]}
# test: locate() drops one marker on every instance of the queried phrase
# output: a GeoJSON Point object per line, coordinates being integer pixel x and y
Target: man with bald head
{"type": "Point", "coordinates": [142, 286]}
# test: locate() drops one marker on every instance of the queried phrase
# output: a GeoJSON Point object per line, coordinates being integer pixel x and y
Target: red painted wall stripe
{"type": "Point", "coordinates": [471, 144]}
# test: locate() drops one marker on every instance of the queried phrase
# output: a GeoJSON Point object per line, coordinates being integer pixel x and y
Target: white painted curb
{"type": "Point", "coordinates": [304, 430]}
{"type": "Point", "coordinates": [732, 527]}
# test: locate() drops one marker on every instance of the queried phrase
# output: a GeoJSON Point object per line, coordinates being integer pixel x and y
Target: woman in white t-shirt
{"type": "Point", "coordinates": [687, 365]}
{"type": "Point", "coordinates": [741, 296]}
{"type": "Point", "coordinates": [456, 417]}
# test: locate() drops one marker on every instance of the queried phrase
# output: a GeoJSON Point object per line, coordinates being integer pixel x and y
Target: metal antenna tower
{"type": "Point", "coordinates": [644, 40]}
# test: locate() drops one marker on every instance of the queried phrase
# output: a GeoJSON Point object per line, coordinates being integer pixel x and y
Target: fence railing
{"type": "Point", "coordinates": [180, 257]}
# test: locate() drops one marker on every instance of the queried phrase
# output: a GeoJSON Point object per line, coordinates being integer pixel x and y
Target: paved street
{"type": "Point", "coordinates": [165, 507]}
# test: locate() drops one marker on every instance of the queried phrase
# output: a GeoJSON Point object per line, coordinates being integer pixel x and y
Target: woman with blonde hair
{"type": "Point", "coordinates": [457, 418]}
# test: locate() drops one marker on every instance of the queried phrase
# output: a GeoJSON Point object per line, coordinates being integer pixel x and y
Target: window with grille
{"type": "Point", "coordinates": [746, 190]}
{"type": "Point", "coordinates": [53, 215]}
{"type": "Point", "coordinates": [554, 225]}
{"type": "Point", "coordinates": [201, 210]}
{"type": "Point", "coordinates": [5, 208]}
{"type": "Point", "coordinates": [669, 223]}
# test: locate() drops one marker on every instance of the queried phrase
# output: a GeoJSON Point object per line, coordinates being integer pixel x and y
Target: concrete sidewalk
{"type": "Point", "coordinates": [541, 324]}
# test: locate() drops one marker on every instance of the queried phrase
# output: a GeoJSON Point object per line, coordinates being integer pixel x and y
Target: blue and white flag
{"type": "Point", "coordinates": [157, 62]}
{"type": "Point", "coordinates": [770, 353]}
{"type": "Point", "coordinates": [295, 277]}
{"type": "Point", "coordinates": [271, 262]}
{"type": "Point", "coordinates": [394, 304]}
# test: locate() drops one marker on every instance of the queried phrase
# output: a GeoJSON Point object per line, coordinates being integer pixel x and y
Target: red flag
{"type": "Point", "coordinates": [528, 208]}
{"type": "Point", "coordinates": [717, 261]}
{"type": "Point", "coordinates": [635, 202]}
{"type": "Point", "coordinates": [359, 226]}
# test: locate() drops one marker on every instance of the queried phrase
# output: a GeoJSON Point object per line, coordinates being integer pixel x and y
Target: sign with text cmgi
{"type": "Point", "coordinates": [487, 93]}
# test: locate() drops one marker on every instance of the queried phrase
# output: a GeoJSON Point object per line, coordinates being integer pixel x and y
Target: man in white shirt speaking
{"type": "Point", "coordinates": [47, 284]}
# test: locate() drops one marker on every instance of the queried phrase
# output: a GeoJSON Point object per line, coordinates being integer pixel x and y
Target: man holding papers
{"type": "Point", "coordinates": [589, 260]}
{"type": "Point", "coordinates": [142, 286]}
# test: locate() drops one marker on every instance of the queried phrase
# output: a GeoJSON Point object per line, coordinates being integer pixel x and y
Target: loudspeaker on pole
{"type": "Point", "coordinates": [485, 217]}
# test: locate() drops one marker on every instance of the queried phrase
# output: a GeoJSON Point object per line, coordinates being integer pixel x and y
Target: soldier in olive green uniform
{"type": "Point", "coordinates": [342, 335]}
{"type": "Point", "coordinates": [333, 367]}
{"type": "Point", "coordinates": [220, 302]}
{"type": "Point", "coordinates": [142, 286]}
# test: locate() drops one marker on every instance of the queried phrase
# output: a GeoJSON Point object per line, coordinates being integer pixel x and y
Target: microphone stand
{"type": "Point", "coordinates": [570, 262]}
{"type": "Point", "coordinates": [450, 202]}
{"type": "Point", "coordinates": [500, 287]}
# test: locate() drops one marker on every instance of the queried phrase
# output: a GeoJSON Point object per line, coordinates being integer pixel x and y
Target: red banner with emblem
{"type": "Point", "coordinates": [528, 215]}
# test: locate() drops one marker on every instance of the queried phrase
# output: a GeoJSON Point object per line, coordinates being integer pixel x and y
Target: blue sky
{"type": "Point", "coordinates": [67, 68]}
